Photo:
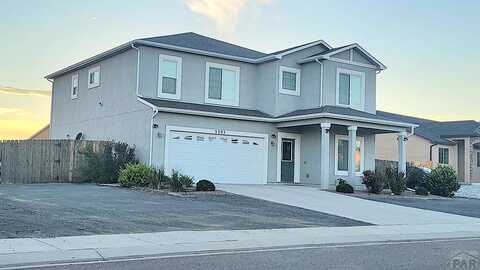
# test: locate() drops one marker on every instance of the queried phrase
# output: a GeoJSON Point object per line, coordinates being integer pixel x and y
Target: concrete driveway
{"type": "Point", "coordinates": [374, 212]}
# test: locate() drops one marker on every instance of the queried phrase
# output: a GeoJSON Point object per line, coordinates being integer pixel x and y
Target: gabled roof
{"type": "Point", "coordinates": [198, 42]}
{"type": "Point", "coordinates": [193, 43]}
{"type": "Point", "coordinates": [337, 110]}
{"type": "Point", "coordinates": [436, 131]}
{"type": "Point", "coordinates": [328, 53]}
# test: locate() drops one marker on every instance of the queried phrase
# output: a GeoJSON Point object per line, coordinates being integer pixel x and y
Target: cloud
{"type": "Point", "coordinates": [224, 13]}
{"type": "Point", "coordinates": [23, 92]}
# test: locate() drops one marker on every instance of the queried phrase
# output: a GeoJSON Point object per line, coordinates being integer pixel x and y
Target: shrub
{"type": "Point", "coordinates": [104, 166]}
{"type": "Point", "coordinates": [415, 176]}
{"type": "Point", "coordinates": [396, 181]}
{"type": "Point", "coordinates": [187, 181]}
{"type": "Point", "coordinates": [205, 185]}
{"type": "Point", "coordinates": [374, 181]}
{"type": "Point", "coordinates": [175, 184]}
{"type": "Point", "coordinates": [136, 175]}
{"type": "Point", "coordinates": [442, 181]}
{"type": "Point", "coordinates": [344, 187]}
{"type": "Point", "coordinates": [421, 190]}
{"type": "Point", "coordinates": [159, 180]}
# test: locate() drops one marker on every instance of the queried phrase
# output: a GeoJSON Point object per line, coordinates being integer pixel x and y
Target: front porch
{"type": "Point", "coordinates": [320, 151]}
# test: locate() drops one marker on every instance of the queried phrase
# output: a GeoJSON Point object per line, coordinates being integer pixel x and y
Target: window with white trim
{"type": "Point", "coordinates": [289, 81]}
{"type": "Point", "coordinates": [351, 88]}
{"type": "Point", "coordinates": [443, 155]}
{"type": "Point", "coordinates": [222, 84]}
{"type": "Point", "coordinates": [169, 76]}
{"type": "Point", "coordinates": [341, 155]}
{"type": "Point", "coordinates": [94, 77]}
{"type": "Point", "coordinates": [74, 89]}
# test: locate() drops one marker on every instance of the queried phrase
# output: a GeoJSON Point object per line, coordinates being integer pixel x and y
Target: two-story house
{"type": "Point", "coordinates": [223, 112]}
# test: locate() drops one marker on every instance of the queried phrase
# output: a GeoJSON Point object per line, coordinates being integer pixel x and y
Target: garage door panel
{"type": "Point", "coordinates": [221, 158]}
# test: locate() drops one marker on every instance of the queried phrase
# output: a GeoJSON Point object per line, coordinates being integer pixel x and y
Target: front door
{"type": "Point", "coordinates": [288, 161]}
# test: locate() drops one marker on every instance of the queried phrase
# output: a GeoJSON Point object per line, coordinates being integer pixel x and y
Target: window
{"type": "Point", "coordinates": [289, 81]}
{"type": "Point", "coordinates": [94, 77]}
{"type": "Point", "coordinates": [287, 153]}
{"type": "Point", "coordinates": [222, 84]}
{"type": "Point", "coordinates": [350, 88]}
{"type": "Point", "coordinates": [169, 76]}
{"type": "Point", "coordinates": [478, 159]}
{"type": "Point", "coordinates": [341, 155]}
{"type": "Point", "coordinates": [443, 155]}
{"type": "Point", "coordinates": [74, 90]}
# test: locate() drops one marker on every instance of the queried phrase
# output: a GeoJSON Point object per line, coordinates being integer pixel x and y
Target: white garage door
{"type": "Point", "coordinates": [220, 158]}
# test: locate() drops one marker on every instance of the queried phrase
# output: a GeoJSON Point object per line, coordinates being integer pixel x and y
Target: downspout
{"type": "Point", "coordinates": [155, 112]}
{"type": "Point", "coordinates": [138, 70]}
{"type": "Point", "coordinates": [431, 150]}
{"type": "Point", "coordinates": [321, 81]}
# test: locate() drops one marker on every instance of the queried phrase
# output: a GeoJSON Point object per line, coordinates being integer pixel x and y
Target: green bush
{"type": "Point", "coordinates": [159, 180]}
{"type": "Point", "coordinates": [104, 166]}
{"type": "Point", "coordinates": [421, 190]}
{"type": "Point", "coordinates": [344, 187]}
{"type": "Point", "coordinates": [442, 181]}
{"type": "Point", "coordinates": [136, 175]}
{"type": "Point", "coordinates": [205, 185]}
{"type": "Point", "coordinates": [175, 184]}
{"type": "Point", "coordinates": [396, 181]}
{"type": "Point", "coordinates": [187, 181]}
{"type": "Point", "coordinates": [415, 176]}
{"type": "Point", "coordinates": [374, 181]}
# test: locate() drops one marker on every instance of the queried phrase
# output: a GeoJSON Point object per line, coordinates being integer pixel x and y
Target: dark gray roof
{"type": "Point", "coordinates": [436, 131]}
{"type": "Point", "coordinates": [205, 108]}
{"type": "Point", "coordinates": [198, 42]}
{"type": "Point", "coordinates": [329, 51]}
{"type": "Point", "coordinates": [337, 110]}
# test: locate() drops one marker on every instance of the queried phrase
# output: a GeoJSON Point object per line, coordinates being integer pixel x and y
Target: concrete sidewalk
{"type": "Point", "coordinates": [32, 251]}
{"type": "Point", "coordinates": [373, 212]}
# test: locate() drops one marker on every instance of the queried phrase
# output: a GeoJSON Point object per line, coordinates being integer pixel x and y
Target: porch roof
{"type": "Point", "coordinates": [327, 112]}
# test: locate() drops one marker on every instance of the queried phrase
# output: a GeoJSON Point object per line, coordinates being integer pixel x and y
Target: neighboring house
{"type": "Point", "coordinates": [42, 134]}
{"type": "Point", "coordinates": [452, 143]}
{"type": "Point", "coordinates": [215, 110]}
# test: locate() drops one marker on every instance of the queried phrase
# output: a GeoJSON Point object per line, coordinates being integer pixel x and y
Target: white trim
{"type": "Point", "coordinates": [74, 78]}
{"type": "Point", "coordinates": [168, 129]}
{"type": "Point", "coordinates": [297, 138]}
{"type": "Point", "coordinates": [235, 69]}
{"type": "Point", "coordinates": [281, 119]}
{"type": "Point", "coordinates": [178, 90]}
{"type": "Point", "coordinates": [311, 44]}
{"type": "Point", "coordinates": [362, 90]}
{"type": "Point", "coordinates": [95, 83]}
{"type": "Point", "coordinates": [297, 72]}
{"type": "Point", "coordinates": [357, 46]}
{"type": "Point", "coordinates": [362, 152]}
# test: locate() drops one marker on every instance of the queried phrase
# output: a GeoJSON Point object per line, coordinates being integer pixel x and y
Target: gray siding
{"type": "Point", "coordinates": [108, 112]}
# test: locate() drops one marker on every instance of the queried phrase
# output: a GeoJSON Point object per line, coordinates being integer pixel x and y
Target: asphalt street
{"type": "Point", "coordinates": [435, 254]}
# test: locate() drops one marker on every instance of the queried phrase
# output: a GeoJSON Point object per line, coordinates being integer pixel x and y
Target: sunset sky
{"type": "Point", "coordinates": [431, 47]}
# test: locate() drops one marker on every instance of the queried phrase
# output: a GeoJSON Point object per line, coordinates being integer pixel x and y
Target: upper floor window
{"type": "Point", "coordinates": [169, 76]}
{"type": "Point", "coordinates": [289, 81]}
{"type": "Point", "coordinates": [74, 89]}
{"type": "Point", "coordinates": [341, 155]}
{"type": "Point", "coordinates": [222, 84]}
{"type": "Point", "coordinates": [443, 155]}
{"type": "Point", "coordinates": [478, 159]}
{"type": "Point", "coordinates": [351, 89]}
{"type": "Point", "coordinates": [94, 77]}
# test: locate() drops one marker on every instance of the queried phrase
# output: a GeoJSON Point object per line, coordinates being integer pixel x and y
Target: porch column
{"type": "Point", "coordinates": [402, 152]}
{"type": "Point", "coordinates": [352, 147]}
{"type": "Point", "coordinates": [325, 155]}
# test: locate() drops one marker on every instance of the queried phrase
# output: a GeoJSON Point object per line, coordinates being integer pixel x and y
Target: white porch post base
{"type": "Point", "coordinates": [352, 147]}
{"type": "Point", "coordinates": [402, 152]}
{"type": "Point", "coordinates": [325, 155]}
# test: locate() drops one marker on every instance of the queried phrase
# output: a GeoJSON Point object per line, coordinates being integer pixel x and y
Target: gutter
{"type": "Point", "coordinates": [138, 70]}
{"type": "Point", "coordinates": [155, 112]}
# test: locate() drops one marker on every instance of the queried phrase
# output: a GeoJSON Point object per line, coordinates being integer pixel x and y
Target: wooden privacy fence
{"type": "Point", "coordinates": [43, 161]}
{"type": "Point", "coordinates": [381, 165]}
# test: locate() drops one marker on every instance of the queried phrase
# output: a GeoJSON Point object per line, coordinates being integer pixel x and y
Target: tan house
{"type": "Point", "coordinates": [453, 143]}
{"type": "Point", "coordinates": [42, 134]}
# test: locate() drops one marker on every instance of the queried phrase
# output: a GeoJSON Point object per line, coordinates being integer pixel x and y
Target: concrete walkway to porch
{"type": "Point", "coordinates": [378, 213]}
